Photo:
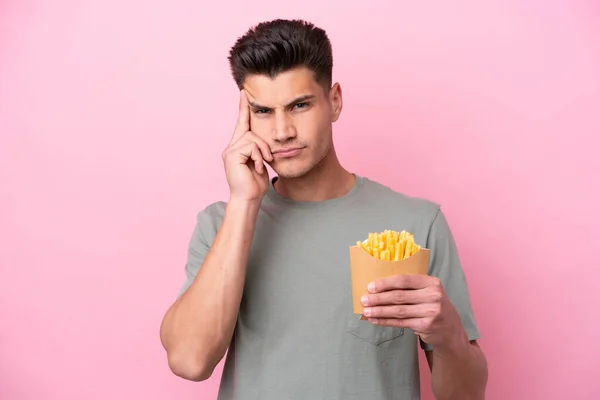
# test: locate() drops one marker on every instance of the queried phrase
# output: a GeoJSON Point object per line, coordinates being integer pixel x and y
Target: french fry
{"type": "Point", "coordinates": [390, 245]}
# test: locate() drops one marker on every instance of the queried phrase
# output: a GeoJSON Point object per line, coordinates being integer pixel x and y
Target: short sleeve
{"type": "Point", "coordinates": [445, 264]}
{"type": "Point", "coordinates": [198, 247]}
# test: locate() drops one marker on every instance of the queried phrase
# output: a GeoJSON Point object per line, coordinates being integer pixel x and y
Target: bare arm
{"type": "Point", "coordinates": [419, 302]}
{"type": "Point", "coordinates": [460, 373]}
{"type": "Point", "coordinates": [198, 327]}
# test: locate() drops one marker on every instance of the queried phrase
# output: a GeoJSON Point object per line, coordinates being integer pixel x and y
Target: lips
{"type": "Point", "coordinates": [286, 153]}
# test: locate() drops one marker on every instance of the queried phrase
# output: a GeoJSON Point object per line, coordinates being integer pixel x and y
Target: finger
{"type": "Point", "coordinates": [409, 323]}
{"type": "Point", "coordinates": [251, 151]}
{"type": "Point", "coordinates": [407, 281]}
{"type": "Point", "coordinates": [243, 122]}
{"type": "Point", "coordinates": [256, 156]}
{"type": "Point", "coordinates": [400, 311]}
{"type": "Point", "coordinates": [265, 149]}
{"type": "Point", "coordinates": [396, 297]}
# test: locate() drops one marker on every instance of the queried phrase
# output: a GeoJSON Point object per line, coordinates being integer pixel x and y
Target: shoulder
{"type": "Point", "coordinates": [381, 195]}
{"type": "Point", "coordinates": [209, 218]}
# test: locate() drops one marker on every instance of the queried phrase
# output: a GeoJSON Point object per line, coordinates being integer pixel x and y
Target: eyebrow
{"type": "Point", "coordinates": [290, 104]}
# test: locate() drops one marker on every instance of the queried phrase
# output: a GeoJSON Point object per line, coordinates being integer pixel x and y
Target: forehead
{"type": "Point", "coordinates": [283, 88]}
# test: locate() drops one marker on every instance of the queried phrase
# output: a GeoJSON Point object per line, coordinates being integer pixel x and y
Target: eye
{"type": "Point", "coordinates": [261, 111]}
{"type": "Point", "coordinates": [301, 105]}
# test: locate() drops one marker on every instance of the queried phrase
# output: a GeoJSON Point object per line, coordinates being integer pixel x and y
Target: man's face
{"type": "Point", "coordinates": [294, 115]}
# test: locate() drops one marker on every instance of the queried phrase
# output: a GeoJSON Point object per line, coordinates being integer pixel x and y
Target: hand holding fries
{"type": "Point", "coordinates": [416, 302]}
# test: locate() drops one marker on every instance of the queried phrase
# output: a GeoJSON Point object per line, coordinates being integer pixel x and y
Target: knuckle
{"type": "Point", "coordinates": [403, 280]}
{"type": "Point", "coordinates": [434, 311]}
{"type": "Point", "coordinates": [253, 146]}
{"type": "Point", "coordinates": [398, 297]}
{"type": "Point", "coordinates": [226, 153]}
{"type": "Point", "coordinates": [400, 312]}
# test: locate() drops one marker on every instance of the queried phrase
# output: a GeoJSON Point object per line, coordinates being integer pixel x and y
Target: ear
{"type": "Point", "coordinates": [335, 99]}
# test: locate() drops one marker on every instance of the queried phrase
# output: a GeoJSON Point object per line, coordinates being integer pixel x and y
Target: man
{"type": "Point", "coordinates": [268, 278]}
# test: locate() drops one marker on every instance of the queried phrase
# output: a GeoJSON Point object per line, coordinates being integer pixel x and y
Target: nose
{"type": "Point", "coordinates": [283, 128]}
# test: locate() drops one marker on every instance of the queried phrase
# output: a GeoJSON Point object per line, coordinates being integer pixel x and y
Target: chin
{"type": "Point", "coordinates": [292, 172]}
{"type": "Point", "coordinates": [296, 168]}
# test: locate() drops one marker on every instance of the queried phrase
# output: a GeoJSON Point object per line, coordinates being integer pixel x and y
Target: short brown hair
{"type": "Point", "coordinates": [273, 47]}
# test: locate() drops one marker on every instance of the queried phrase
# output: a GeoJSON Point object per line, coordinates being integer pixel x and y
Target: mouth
{"type": "Point", "coordinates": [287, 153]}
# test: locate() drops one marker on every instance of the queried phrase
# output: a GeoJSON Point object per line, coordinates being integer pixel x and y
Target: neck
{"type": "Point", "coordinates": [327, 180]}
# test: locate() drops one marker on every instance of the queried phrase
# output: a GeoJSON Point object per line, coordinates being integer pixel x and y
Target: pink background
{"type": "Point", "coordinates": [113, 115]}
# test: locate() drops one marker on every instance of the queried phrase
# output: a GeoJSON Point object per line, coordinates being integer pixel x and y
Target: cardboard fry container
{"type": "Point", "coordinates": [365, 269]}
